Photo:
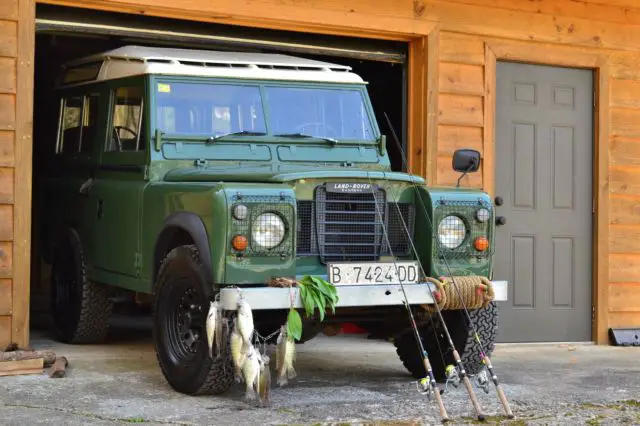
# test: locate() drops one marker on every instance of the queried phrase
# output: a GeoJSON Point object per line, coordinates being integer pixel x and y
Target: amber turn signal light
{"type": "Point", "coordinates": [239, 242]}
{"type": "Point", "coordinates": [481, 243]}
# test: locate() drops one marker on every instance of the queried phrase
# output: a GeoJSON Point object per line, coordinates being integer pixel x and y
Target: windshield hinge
{"type": "Point", "coordinates": [201, 163]}
{"type": "Point", "coordinates": [146, 172]}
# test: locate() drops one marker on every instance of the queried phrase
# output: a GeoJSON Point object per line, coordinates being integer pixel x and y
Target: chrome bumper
{"type": "Point", "coordinates": [349, 296]}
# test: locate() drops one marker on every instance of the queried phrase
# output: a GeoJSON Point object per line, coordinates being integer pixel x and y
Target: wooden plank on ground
{"type": "Point", "coordinates": [27, 366]}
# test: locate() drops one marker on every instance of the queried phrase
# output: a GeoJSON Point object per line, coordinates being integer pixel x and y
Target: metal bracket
{"type": "Point", "coordinates": [625, 336]}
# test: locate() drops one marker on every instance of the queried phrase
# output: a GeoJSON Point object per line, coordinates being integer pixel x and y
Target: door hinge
{"type": "Point", "coordinates": [137, 263]}
{"type": "Point", "coordinates": [593, 205]}
{"type": "Point", "coordinates": [595, 100]}
{"type": "Point", "coordinates": [593, 313]}
{"type": "Point", "coordinates": [146, 172]}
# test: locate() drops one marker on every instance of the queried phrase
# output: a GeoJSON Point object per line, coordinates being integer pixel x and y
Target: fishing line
{"type": "Point", "coordinates": [484, 357]}
{"type": "Point", "coordinates": [432, 384]}
{"type": "Point", "coordinates": [463, 374]}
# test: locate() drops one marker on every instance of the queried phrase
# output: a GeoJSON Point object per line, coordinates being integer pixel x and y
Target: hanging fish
{"type": "Point", "coordinates": [238, 352]}
{"type": "Point", "coordinates": [264, 385]}
{"type": "Point", "coordinates": [212, 325]}
{"type": "Point", "coordinates": [244, 320]}
{"type": "Point", "coordinates": [251, 373]}
{"type": "Point", "coordinates": [285, 357]}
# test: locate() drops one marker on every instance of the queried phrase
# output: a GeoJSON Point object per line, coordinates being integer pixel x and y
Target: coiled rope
{"type": "Point", "coordinates": [477, 292]}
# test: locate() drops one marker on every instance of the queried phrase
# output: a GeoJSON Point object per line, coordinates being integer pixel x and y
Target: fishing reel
{"type": "Point", "coordinates": [425, 388]}
{"type": "Point", "coordinates": [452, 376]}
{"type": "Point", "coordinates": [482, 380]}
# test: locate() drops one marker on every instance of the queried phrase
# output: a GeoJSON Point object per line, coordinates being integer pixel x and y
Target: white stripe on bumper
{"type": "Point", "coordinates": [354, 295]}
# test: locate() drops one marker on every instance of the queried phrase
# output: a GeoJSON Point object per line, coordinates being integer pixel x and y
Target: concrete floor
{"type": "Point", "coordinates": [342, 379]}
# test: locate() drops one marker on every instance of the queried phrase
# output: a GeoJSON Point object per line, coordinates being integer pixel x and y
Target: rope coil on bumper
{"type": "Point", "coordinates": [476, 291]}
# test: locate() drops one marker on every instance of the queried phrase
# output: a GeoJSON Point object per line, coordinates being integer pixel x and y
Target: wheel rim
{"type": "Point", "coordinates": [184, 323]}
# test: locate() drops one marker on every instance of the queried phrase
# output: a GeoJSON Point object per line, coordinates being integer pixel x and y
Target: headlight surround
{"type": "Point", "coordinates": [268, 230]}
{"type": "Point", "coordinates": [452, 231]}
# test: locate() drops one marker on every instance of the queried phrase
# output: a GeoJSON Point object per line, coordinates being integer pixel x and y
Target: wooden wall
{"type": "Point", "coordinates": [454, 46]}
{"type": "Point", "coordinates": [16, 87]}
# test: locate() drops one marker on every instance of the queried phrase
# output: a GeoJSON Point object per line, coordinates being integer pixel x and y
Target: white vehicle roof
{"type": "Point", "coordinates": [138, 60]}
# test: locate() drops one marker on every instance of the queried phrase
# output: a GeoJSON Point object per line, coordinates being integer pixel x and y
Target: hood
{"type": "Point", "coordinates": [280, 174]}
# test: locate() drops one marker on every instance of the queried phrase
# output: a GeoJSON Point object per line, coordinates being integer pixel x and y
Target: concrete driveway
{"type": "Point", "coordinates": [344, 379]}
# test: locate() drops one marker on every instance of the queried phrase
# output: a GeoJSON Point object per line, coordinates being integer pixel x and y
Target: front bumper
{"type": "Point", "coordinates": [349, 295]}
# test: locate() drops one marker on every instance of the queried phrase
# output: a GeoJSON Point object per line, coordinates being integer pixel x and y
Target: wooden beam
{"type": "Point", "coordinates": [416, 114]}
{"type": "Point", "coordinates": [23, 152]}
{"type": "Point", "coordinates": [27, 366]}
{"type": "Point", "coordinates": [488, 143]}
{"type": "Point", "coordinates": [433, 89]}
{"type": "Point", "coordinates": [600, 270]}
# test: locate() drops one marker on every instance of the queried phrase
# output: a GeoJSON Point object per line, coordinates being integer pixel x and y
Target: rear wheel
{"type": "Point", "coordinates": [182, 296]}
{"type": "Point", "coordinates": [485, 321]}
{"type": "Point", "coordinates": [80, 308]}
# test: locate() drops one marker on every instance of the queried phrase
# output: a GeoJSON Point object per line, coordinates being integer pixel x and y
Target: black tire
{"type": "Point", "coordinates": [183, 290]}
{"type": "Point", "coordinates": [80, 308]}
{"type": "Point", "coordinates": [485, 322]}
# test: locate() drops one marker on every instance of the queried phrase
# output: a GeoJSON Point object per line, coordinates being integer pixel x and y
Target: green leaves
{"type": "Point", "coordinates": [294, 324]}
{"type": "Point", "coordinates": [314, 293]}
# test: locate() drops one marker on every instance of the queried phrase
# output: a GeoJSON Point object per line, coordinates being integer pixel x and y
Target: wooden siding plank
{"type": "Point", "coordinates": [9, 9]}
{"type": "Point", "coordinates": [5, 297]}
{"type": "Point", "coordinates": [461, 79]}
{"type": "Point", "coordinates": [461, 48]}
{"type": "Point", "coordinates": [451, 138]}
{"type": "Point", "coordinates": [6, 185]}
{"type": "Point", "coordinates": [625, 93]}
{"type": "Point", "coordinates": [625, 65]}
{"type": "Point", "coordinates": [433, 102]}
{"type": "Point", "coordinates": [488, 178]}
{"type": "Point", "coordinates": [7, 112]}
{"type": "Point", "coordinates": [6, 148]}
{"type": "Point", "coordinates": [625, 151]}
{"type": "Point", "coordinates": [6, 222]}
{"type": "Point", "coordinates": [5, 331]}
{"type": "Point", "coordinates": [23, 186]}
{"type": "Point", "coordinates": [8, 39]}
{"type": "Point", "coordinates": [624, 298]}
{"type": "Point", "coordinates": [6, 259]}
{"type": "Point", "coordinates": [460, 110]}
{"type": "Point", "coordinates": [624, 239]}
{"type": "Point", "coordinates": [625, 180]}
{"type": "Point", "coordinates": [448, 177]}
{"type": "Point", "coordinates": [625, 122]}
{"type": "Point", "coordinates": [416, 116]}
{"type": "Point", "coordinates": [624, 210]}
{"type": "Point", "coordinates": [624, 268]}
{"type": "Point", "coordinates": [624, 319]}
{"type": "Point", "coordinates": [8, 73]}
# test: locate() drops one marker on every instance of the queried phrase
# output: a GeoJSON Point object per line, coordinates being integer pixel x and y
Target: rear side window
{"type": "Point", "coordinates": [78, 124]}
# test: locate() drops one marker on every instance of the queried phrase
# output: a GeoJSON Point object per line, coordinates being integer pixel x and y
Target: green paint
{"type": "Point", "coordinates": [123, 216]}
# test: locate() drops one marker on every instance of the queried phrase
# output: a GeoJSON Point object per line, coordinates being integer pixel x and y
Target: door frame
{"type": "Point", "coordinates": [597, 61]}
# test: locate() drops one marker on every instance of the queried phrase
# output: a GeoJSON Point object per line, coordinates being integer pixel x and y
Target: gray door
{"type": "Point", "coordinates": [544, 145]}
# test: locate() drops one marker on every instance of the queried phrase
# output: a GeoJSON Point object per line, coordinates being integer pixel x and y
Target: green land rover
{"type": "Point", "coordinates": [183, 175]}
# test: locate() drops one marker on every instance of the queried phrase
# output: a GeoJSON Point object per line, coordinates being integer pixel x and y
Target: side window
{"type": "Point", "coordinates": [69, 140]}
{"type": "Point", "coordinates": [90, 123]}
{"type": "Point", "coordinates": [126, 128]}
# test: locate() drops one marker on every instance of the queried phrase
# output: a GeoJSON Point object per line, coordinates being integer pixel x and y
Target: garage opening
{"type": "Point", "coordinates": [63, 34]}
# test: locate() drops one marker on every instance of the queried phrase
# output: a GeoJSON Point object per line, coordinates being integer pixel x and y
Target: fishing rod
{"type": "Point", "coordinates": [432, 384]}
{"type": "Point", "coordinates": [484, 357]}
{"type": "Point", "coordinates": [463, 374]}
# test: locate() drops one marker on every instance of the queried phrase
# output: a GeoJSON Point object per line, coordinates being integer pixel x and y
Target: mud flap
{"type": "Point", "coordinates": [624, 336]}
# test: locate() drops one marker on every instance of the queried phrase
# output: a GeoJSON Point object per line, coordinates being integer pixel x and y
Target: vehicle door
{"type": "Point", "coordinates": [119, 185]}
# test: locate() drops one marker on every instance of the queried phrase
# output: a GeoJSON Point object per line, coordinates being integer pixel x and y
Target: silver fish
{"type": "Point", "coordinates": [264, 385]}
{"type": "Point", "coordinates": [212, 325]}
{"type": "Point", "coordinates": [244, 320]}
{"type": "Point", "coordinates": [285, 357]}
{"type": "Point", "coordinates": [251, 373]}
{"type": "Point", "coordinates": [238, 352]}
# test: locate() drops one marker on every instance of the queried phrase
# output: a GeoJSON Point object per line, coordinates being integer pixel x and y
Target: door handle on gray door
{"type": "Point", "coordinates": [499, 201]}
{"type": "Point", "coordinates": [500, 220]}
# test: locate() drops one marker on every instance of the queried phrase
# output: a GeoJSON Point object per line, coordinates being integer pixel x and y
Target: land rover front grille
{"type": "Point", "coordinates": [348, 227]}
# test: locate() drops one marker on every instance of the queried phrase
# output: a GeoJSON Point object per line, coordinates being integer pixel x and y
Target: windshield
{"type": "Point", "coordinates": [215, 109]}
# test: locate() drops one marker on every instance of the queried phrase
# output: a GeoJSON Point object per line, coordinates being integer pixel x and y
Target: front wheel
{"type": "Point", "coordinates": [182, 296]}
{"type": "Point", "coordinates": [485, 321]}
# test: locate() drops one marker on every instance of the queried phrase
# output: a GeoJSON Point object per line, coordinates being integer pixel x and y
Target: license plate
{"type": "Point", "coordinates": [373, 273]}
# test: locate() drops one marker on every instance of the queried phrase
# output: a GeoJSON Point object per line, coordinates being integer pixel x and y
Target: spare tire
{"type": "Point", "coordinates": [485, 321]}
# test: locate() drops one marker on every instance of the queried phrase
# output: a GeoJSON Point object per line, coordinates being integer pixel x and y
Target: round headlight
{"type": "Point", "coordinates": [240, 212]}
{"type": "Point", "coordinates": [451, 232]}
{"type": "Point", "coordinates": [482, 215]}
{"type": "Point", "coordinates": [268, 230]}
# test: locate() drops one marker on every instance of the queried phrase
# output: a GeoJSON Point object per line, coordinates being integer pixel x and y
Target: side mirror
{"type": "Point", "coordinates": [466, 161]}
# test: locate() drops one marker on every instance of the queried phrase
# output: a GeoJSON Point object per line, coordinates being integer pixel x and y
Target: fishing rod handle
{"type": "Point", "coordinates": [443, 411]}
{"type": "Point", "coordinates": [474, 399]}
{"type": "Point", "coordinates": [505, 403]}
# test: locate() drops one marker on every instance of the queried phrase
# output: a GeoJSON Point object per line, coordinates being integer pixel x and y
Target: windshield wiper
{"type": "Point", "coordinates": [302, 135]}
{"type": "Point", "coordinates": [240, 133]}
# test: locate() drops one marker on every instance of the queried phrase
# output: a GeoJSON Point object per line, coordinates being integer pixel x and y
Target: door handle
{"type": "Point", "coordinates": [500, 220]}
{"type": "Point", "coordinates": [85, 187]}
{"type": "Point", "coordinates": [499, 201]}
